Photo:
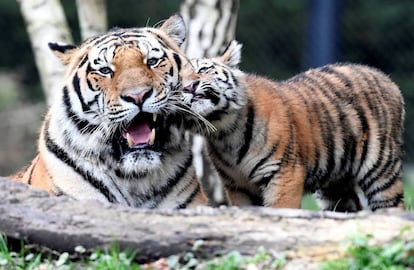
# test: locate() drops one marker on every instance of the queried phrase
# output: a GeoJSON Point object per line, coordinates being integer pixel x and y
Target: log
{"type": "Point", "coordinates": [305, 237]}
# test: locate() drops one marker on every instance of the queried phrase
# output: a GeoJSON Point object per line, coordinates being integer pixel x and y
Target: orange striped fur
{"type": "Point", "coordinates": [330, 131]}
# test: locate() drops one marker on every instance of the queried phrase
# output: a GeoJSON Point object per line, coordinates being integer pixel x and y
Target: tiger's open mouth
{"type": "Point", "coordinates": [206, 93]}
{"type": "Point", "coordinates": [141, 131]}
{"type": "Point", "coordinates": [140, 134]}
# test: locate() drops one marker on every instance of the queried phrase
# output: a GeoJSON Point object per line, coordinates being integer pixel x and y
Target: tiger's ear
{"type": "Point", "coordinates": [63, 51]}
{"type": "Point", "coordinates": [232, 55]}
{"type": "Point", "coordinates": [175, 28]}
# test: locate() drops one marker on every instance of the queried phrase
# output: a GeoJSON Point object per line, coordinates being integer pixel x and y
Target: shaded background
{"type": "Point", "coordinates": [281, 38]}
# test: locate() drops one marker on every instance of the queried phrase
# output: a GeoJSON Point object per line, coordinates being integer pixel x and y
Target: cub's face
{"type": "Point", "coordinates": [211, 86]}
{"type": "Point", "coordinates": [119, 87]}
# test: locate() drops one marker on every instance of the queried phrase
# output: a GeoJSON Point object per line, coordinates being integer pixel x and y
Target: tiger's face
{"type": "Point", "coordinates": [211, 85]}
{"type": "Point", "coordinates": [118, 87]}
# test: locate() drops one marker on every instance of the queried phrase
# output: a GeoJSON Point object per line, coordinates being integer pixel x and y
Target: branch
{"type": "Point", "coordinates": [46, 23]}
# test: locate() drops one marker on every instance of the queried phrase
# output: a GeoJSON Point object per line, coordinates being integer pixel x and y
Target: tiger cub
{"type": "Point", "coordinates": [109, 135]}
{"type": "Point", "coordinates": [330, 131]}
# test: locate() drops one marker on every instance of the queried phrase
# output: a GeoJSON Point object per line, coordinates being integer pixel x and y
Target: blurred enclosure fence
{"type": "Point", "coordinates": [280, 37]}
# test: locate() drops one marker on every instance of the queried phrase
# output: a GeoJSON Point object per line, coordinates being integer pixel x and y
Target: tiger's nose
{"type": "Point", "coordinates": [191, 87]}
{"type": "Point", "coordinates": [137, 97]}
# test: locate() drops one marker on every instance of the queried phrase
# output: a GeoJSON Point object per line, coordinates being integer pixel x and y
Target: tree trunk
{"type": "Point", "coordinates": [92, 17]}
{"type": "Point", "coordinates": [46, 23]}
{"type": "Point", "coordinates": [211, 26]}
{"type": "Point", "coordinates": [305, 237]}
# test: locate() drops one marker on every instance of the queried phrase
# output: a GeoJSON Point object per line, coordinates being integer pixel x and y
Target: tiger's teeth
{"type": "Point", "coordinates": [152, 137]}
{"type": "Point", "coordinates": [130, 140]}
{"type": "Point", "coordinates": [154, 117]}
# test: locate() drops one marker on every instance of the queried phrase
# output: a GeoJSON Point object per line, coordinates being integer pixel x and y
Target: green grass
{"type": "Point", "coordinates": [309, 203]}
{"type": "Point", "coordinates": [124, 260]}
{"type": "Point", "coordinates": [362, 254]}
{"type": "Point", "coordinates": [101, 260]}
{"type": "Point", "coordinates": [409, 196]}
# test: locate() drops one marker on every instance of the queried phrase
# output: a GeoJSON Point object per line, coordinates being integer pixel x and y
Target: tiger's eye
{"type": "Point", "coordinates": [105, 70]}
{"type": "Point", "coordinates": [152, 61]}
{"type": "Point", "coordinates": [203, 70]}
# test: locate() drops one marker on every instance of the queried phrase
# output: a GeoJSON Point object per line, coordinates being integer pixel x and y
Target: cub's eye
{"type": "Point", "coordinates": [105, 70]}
{"type": "Point", "coordinates": [204, 70]}
{"type": "Point", "coordinates": [152, 61]}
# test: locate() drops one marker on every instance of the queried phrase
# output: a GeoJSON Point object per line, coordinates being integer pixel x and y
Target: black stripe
{"type": "Point", "coordinates": [90, 86]}
{"type": "Point", "coordinates": [227, 75]}
{"type": "Point", "coordinates": [377, 204]}
{"type": "Point", "coordinates": [161, 40]}
{"type": "Point", "coordinates": [248, 132]}
{"type": "Point", "coordinates": [102, 41]}
{"type": "Point", "coordinates": [134, 36]}
{"type": "Point", "coordinates": [364, 130]}
{"type": "Point", "coordinates": [157, 195]}
{"type": "Point", "coordinates": [264, 182]}
{"type": "Point", "coordinates": [227, 180]}
{"type": "Point", "coordinates": [396, 176]}
{"type": "Point", "coordinates": [76, 86]}
{"type": "Point", "coordinates": [217, 156]}
{"type": "Point", "coordinates": [64, 157]}
{"type": "Point", "coordinates": [363, 181]}
{"type": "Point", "coordinates": [129, 175]}
{"type": "Point", "coordinates": [83, 125]}
{"type": "Point", "coordinates": [84, 60]}
{"type": "Point", "coordinates": [177, 61]}
{"type": "Point", "coordinates": [31, 171]}
{"type": "Point", "coordinates": [212, 95]}
{"type": "Point", "coordinates": [190, 198]}
{"type": "Point", "coordinates": [376, 108]}
{"type": "Point", "coordinates": [94, 100]}
{"type": "Point", "coordinates": [60, 47]}
{"type": "Point", "coordinates": [216, 115]}
{"type": "Point", "coordinates": [263, 160]}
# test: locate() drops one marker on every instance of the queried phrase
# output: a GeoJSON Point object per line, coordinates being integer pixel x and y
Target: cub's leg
{"type": "Point", "coordinates": [338, 196]}
{"type": "Point", "coordinates": [285, 189]}
{"type": "Point", "coordinates": [240, 196]}
{"type": "Point", "coordinates": [382, 185]}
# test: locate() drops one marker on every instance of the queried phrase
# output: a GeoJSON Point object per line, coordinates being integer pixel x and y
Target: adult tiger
{"type": "Point", "coordinates": [328, 131]}
{"type": "Point", "coordinates": [109, 136]}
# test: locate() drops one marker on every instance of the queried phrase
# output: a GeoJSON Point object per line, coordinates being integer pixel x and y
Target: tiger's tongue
{"type": "Point", "coordinates": [138, 134]}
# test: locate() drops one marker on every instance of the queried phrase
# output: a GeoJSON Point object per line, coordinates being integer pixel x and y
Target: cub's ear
{"type": "Point", "coordinates": [175, 28]}
{"type": "Point", "coordinates": [63, 51]}
{"type": "Point", "coordinates": [232, 54]}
